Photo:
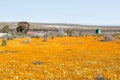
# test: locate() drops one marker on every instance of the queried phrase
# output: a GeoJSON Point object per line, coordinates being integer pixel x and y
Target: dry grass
{"type": "Point", "coordinates": [67, 58]}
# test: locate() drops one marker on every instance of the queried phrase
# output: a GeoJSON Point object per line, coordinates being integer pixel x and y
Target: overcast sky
{"type": "Point", "coordinates": [91, 12]}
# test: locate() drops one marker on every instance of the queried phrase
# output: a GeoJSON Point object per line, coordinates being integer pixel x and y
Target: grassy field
{"type": "Point", "coordinates": [66, 58]}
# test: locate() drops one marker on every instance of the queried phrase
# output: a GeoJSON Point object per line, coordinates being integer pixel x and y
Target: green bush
{"type": "Point", "coordinates": [69, 32]}
{"type": "Point", "coordinates": [10, 38]}
{"type": "Point", "coordinates": [34, 36]}
{"type": "Point", "coordinates": [45, 37]}
{"type": "Point", "coordinates": [52, 37]}
{"type": "Point", "coordinates": [4, 42]}
{"type": "Point", "coordinates": [5, 29]}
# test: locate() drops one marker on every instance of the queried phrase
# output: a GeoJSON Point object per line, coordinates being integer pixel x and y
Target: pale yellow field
{"type": "Point", "coordinates": [66, 58]}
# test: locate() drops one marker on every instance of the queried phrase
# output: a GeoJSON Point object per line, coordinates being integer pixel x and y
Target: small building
{"type": "Point", "coordinates": [31, 32]}
{"type": "Point", "coordinates": [98, 31]}
{"type": "Point", "coordinates": [4, 34]}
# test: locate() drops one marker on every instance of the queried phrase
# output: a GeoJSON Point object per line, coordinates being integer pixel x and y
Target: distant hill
{"type": "Point", "coordinates": [13, 25]}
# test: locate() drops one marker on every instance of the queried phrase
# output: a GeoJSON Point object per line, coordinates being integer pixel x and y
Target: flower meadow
{"type": "Point", "coordinates": [61, 58]}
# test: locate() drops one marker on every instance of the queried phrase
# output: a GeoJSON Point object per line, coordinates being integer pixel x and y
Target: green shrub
{"type": "Point", "coordinates": [52, 37]}
{"type": "Point", "coordinates": [69, 32]}
{"type": "Point", "coordinates": [35, 36]}
{"type": "Point", "coordinates": [45, 37]}
{"type": "Point", "coordinates": [10, 38]}
{"type": "Point", "coordinates": [4, 42]}
{"type": "Point", "coordinates": [5, 29]}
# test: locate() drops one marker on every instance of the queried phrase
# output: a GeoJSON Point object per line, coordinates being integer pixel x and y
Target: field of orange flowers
{"type": "Point", "coordinates": [66, 58]}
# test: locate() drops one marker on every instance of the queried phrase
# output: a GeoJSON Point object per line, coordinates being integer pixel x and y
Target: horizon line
{"type": "Point", "coordinates": [62, 23]}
